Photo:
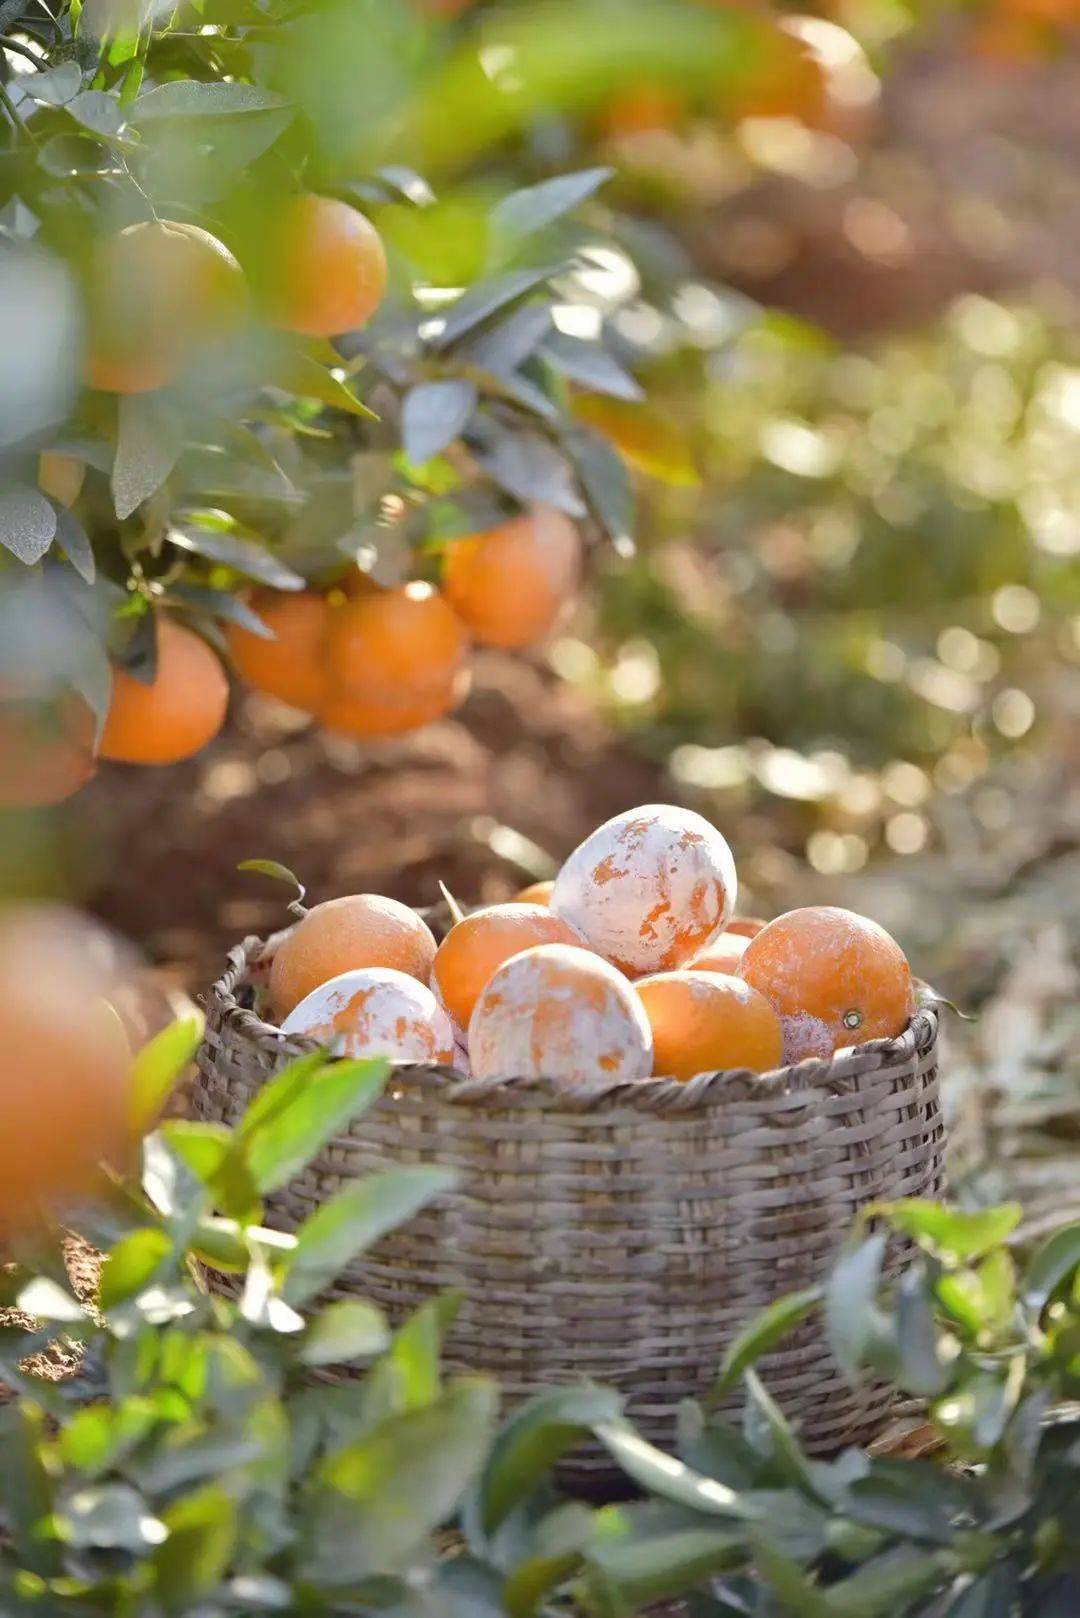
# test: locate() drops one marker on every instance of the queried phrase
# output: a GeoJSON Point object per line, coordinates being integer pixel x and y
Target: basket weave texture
{"type": "Point", "coordinates": [627, 1234]}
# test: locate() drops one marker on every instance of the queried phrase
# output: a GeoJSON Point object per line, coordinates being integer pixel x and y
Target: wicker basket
{"type": "Point", "coordinates": [623, 1236]}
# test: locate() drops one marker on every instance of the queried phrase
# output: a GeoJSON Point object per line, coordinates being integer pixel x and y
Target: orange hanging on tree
{"type": "Point", "coordinates": [178, 713]}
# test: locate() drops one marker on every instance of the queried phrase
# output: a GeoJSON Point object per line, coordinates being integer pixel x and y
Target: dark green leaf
{"type": "Point", "coordinates": [26, 1489]}
{"type": "Point", "coordinates": [483, 300]}
{"type": "Point", "coordinates": [66, 156]}
{"type": "Point", "coordinates": [220, 604]}
{"type": "Point", "coordinates": [659, 1474]}
{"type": "Point", "coordinates": [244, 555]}
{"type": "Point", "coordinates": [351, 1329]}
{"type": "Point", "coordinates": [993, 1594]}
{"type": "Point", "coordinates": [191, 98]}
{"type": "Point", "coordinates": [782, 1444]}
{"type": "Point", "coordinates": [650, 1570]}
{"type": "Point", "coordinates": [279, 872]}
{"type": "Point", "coordinates": [767, 1328]}
{"type": "Point", "coordinates": [951, 1231]}
{"type": "Point", "coordinates": [525, 212]}
{"type": "Point", "coordinates": [606, 483]}
{"type": "Point", "coordinates": [591, 366]}
{"type": "Point", "coordinates": [850, 1295]}
{"type": "Point", "coordinates": [887, 1584]}
{"type": "Point", "coordinates": [529, 467]}
{"type": "Point", "coordinates": [433, 416]}
{"type": "Point", "coordinates": [27, 522]}
{"type": "Point", "coordinates": [56, 85]}
{"type": "Point", "coordinates": [158, 1068]}
{"type": "Point", "coordinates": [534, 1438]}
{"type": "Point", "coordinates": [355, 1218]}
{"type": "Point", "coordinates": [921, 1370]}
{"type": "Point", "coordinates": [97, 111]}
{"type": "Point", "coordinates": [149, 438]}
{"type": "Point", "coordinates": [1050, 1265]}
{"type": "Point", "coordinates": [506, 345]}
{"type": "Point", "coordinates": [135, 1261]}
{"type": "Point", "coordinates": [73, 539]}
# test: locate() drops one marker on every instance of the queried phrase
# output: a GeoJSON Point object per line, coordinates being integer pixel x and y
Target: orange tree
{"type": "Point", "coordinates": [274, 316]}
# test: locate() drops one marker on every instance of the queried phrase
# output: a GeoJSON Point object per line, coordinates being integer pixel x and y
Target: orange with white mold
{"type": "Point", "coordinates": [649, 889]}
{"type": "Point", "coordinates": [834, 979]}
{"type": "Point", "coordinates": [559, 1012]}
{"type": "Point", "coordinates": [479, 944]}
{"type": "Point", "coordinates": [704, 1022]}
{"type": "Point", "coordinates": [376, 1011]}
{"type": "Point", "coordinates": [722, 955]}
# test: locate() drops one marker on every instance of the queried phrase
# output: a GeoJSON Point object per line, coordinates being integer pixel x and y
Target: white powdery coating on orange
{"type": "Point", "coordinates": [805, 1036]}
{"type": "Point", "coordinates": [649, 889]}
{"type": "Point", "coordinates": [559, 1012]}
{"type": "Point", "coordinates": [376, 1011]}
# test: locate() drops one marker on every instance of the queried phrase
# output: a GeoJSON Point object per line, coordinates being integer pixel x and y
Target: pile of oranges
{"type": "Point", "coordinates": [630, 964]}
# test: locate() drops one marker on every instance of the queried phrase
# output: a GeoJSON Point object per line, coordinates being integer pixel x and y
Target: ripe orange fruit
{"type": "Point", "coordinates": [60, 476]}
{"type": "Point", "coordinates": [65, 1076]}
{"type": "Point", "coordinates": [648, 889]}
{"type": "Point", "coordinates": [833, 977]}
{"type": "Point", "coordinates": [394, 645]}
{"type": "Point", "coordinates": [745, 926]}
{"type": "Point", "coordinates": [292, 666]}
{"type": "Point", "coordinates": [472, 950]}
{"type": "Point", "coordinates": [175, 716]}
{"type": "Point", "coordinates": [643, 109]}
{"type": "Point", "coordinates": [537, 893]}
{"type": "Point", "coordinates": [562, 1013]}
{"type": "Point", "coordinates": [785, 80]}
{"type": "Point", "coordinates": [722, 955]}
{"type": "Point", "coordinates": [342, 935]}
{"type": "Point", "coordinates": [160, 294]}
{"type": "Point", "coordinates": [328, 268]}
{"type": "Point", "coordinates": [376, 1011]}
{"type": "Point", "coordinates": [704, 1022]}
{"type": "Point", "coordinates": [46, 750]}
{"type": "Point", "coordinates": [378, 719]}
{"type": "Point", "coordinates": [509, 584]}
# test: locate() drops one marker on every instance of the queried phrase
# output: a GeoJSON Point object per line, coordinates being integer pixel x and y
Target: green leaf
{"type": "Point", "coordinates": [528, 466]}
{"type": "Point", "coordinates": [283, 1145]}
{"type": "Point", "coordinates": [243, 555]}
{"type": "Point", "coordinates": [887, 1584]}
{"type": "Point", "coordinates": [74, 541]}
{"type": "Point", "coordinates": [606, 483]}
{"type": "Point", "coordinates": [921, 1370]}
{"type": "Point", "coordinates": [950, 1231]}
{"type": "Point", "coordinates": [1051, 1264]}
{"type": "Point", "coordinates": [279, 873]}
{"type": "Point", "coordinates": [56, 85]}
{"type": "Point", "coordinates": [433, 415]}
{"type": "Point", "coordinates": [355, 1218]}
{"type": "Point", "coordinates": [660, 1474]}
{"type": "Point", "coordinates": [591, 366]}
{"type": "Point", "coordinates": [351, 1329]}
{"type": "Point", "coordinates": [67, 156]}
{"type": "Point", "coordinates": [97, 111]}
{"type": "Point", "coordinates": [484, 300]}
{"type": "Point", "coordinates": [768, 1327]}
{"type": "Point", "coordinates": [525, 212]}
{"type": "Point", "coordinates": [372, 1505]}
{"type": "Point", "coordinates": [797, 1592]}
{"type": "Point", "coordinates": [26, 1488]}
{"type": "Point", "coordinates": [214, 1156]}
{"type": "Point", "coordinates": [158, 1067]}
{"type": "Point", "coordinates": [651, 442]}
{"type": "Point", "coordinates": [149, 439]}
{"type": "Point", "coordinates": [782, 1443]}
{"type": "Point", "coordinates": [655, 1569]}
{"type": "Point", "coordinates": [850, 1295]}
{"type": "Point", "coordinates": [535, 1437]}
{"type": "Point", "coordinates": [27, 522]}
{"type": "Point", "coordinates": [110, 1516]}
{"type": "Point", "coordinates": [992, 1595]}
{"type": "Point", "coordinates": [193, 98]}
{"type": "Point", "coordinates": [135, 1261]}
{"type": "Point", "coordinates": [297, 372]}
{"type": "Point", "coordinates": [189, 1566]}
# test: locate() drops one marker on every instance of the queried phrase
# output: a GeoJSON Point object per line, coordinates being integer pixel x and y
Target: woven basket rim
{"type": "Point", "coordinates": [656, 1095]}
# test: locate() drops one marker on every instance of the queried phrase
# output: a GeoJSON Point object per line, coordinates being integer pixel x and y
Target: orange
{"type": "Point", "coordinates": [723, 955]}
{"type": "Point", "coordinates": [510, 584]}
{"type": "Point", "coordinates": [473, 950]}
{"type": "Point", "coordinates": [292, 666]}
{"type": "Point", "coordinates": [561, 1013]}
{"type": "Point", "coordinates": [376, 1011]}
{"type": "Point", "coordinates": [60, 476]}
{"type": "Point", "coordinates": [642, 109]}
{"type": "Point", "coordinates": [649, 888]}
{"type": "Point", "coordinates": [833, 977]}
{"type": "Point", "coordinates": [65, 1076]}
{"type": "Point", "coordinates": [328, 271]}
{"type": "Point", "coordinates": [537, 893]}
{"type": "Point", "coordinates": [175, 716]}
{"type": "Point", "coordinates": [785, 80]}
{"type": "Point", "coordinates": [46, 750]}
{"type": "Point", "coordinates": [376, 719]}
{"type": "Point", "coordinates": [395, 648]}
{"type": "Point", "coordinates": [745, 926]}
{"type": "Point", "coordinates": [362, 929]}
{"type": "Point", "coordinates": [705, 1022]}
{"type": "Point", "coordinates": [160, 294]}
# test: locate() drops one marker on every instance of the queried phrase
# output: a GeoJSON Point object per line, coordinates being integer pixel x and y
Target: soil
{"type": "Point", "coordinates": [485, 802]}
